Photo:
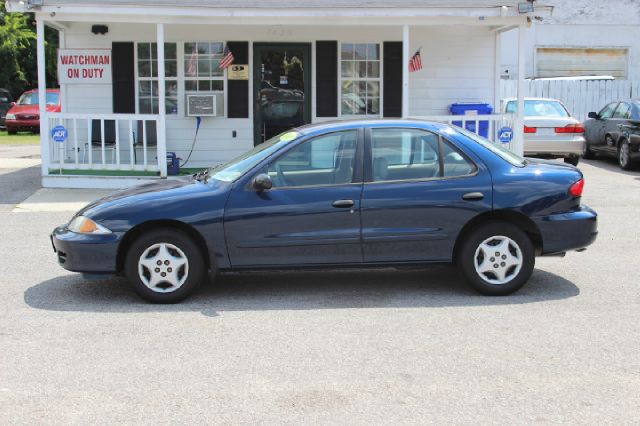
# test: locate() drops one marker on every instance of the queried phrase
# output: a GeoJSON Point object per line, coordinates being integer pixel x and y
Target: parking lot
{"type": "Point", "coordinates": [334, 347]}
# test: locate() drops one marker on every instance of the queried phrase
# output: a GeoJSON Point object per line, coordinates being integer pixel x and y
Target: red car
{"type": "Point", "coordinates": [25, 115]}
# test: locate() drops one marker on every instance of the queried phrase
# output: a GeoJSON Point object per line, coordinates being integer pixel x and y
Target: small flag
{"type": "Point", "coordinates": [415, 63]}
{"type": "Point", "coordinates": [192, 66]}
{"type": "Point", "coordinates": [227, 58]}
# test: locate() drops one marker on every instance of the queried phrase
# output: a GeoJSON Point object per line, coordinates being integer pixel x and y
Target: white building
{"type": "Point", "coordinates": [295, 63]}
{"type": "Point", "coordinates": [581, 37]}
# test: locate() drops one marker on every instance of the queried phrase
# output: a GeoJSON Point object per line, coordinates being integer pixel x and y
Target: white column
{"type": "Point", "coordinates": [42, 97]}
{"type": "Point", "coordinates": [497, 73]}
{"type": "Point", "coordinates": [518, 131]}
{"type": "Point", "coordinates": [405, 71]}
{"type": "Point", "coordinates": [162, 132]}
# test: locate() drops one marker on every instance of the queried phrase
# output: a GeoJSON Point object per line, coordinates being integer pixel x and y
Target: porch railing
{"type": "Point", "coordinates": [488, 126]}
{"type": "Point", "coordinates": [106, 142]}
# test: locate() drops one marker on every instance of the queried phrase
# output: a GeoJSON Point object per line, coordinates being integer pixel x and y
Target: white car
{"type": "Point", "coordinates": [549, 129]}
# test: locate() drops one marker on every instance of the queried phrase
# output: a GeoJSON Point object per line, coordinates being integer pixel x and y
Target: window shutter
{"type": "Point", "coordinates": [327, 78]}
{"type": "Point", "coordinates": [123, 78]}
{"type": "Point", "coordinates": [238, 90]}
{"type": "Point", "coordinates": [392, 92]}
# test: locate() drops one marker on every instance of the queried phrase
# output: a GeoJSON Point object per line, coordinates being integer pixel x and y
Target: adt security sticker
{"type": "Point", "coordinates": [59, 134]}
{"type": "Point", "coordinates": [505, 134]}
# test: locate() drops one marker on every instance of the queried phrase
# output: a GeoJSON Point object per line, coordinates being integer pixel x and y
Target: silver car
{"type": "Point", "coordinates": [549, 129]}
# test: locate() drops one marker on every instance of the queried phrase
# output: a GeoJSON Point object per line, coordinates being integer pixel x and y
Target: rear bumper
{"type": "Point", "coordinates": [568, 231]}
{"type": "Point", "coordinates": [85, 253]}
{"type": "Point", "coordinates": [554, 147]}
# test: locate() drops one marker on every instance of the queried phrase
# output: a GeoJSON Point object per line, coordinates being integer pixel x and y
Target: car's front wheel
{"type": "Point", "coordinates": [164, 266]}
{"type": "Point", "coordinates": [497, 258]}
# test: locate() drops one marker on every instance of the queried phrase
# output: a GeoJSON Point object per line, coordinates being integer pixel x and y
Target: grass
{"type": "Point", "coordinates": [19, 139]}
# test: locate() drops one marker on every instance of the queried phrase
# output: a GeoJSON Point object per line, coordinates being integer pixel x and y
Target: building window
{"type": "Point", "coordinates": [148, 78]}
{"type": "Point", "coordinates": [360, 79]}
{"type": "Point", "coordinates": [202, 71]}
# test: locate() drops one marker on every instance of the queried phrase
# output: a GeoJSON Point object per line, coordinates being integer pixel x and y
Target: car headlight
{"type": "Point", "coordinates": [10, 117]}
{"type": "Point", "coordinates": [84, 225]}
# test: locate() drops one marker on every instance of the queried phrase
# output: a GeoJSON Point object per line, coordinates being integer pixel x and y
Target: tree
{"type": "Point", "coordinates": [18, 52]}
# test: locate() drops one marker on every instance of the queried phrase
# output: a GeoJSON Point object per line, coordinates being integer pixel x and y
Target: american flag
{"type": "Point", "coordinates": [415, 63]}
{"type": "Point", "coordinates": [227, 58]}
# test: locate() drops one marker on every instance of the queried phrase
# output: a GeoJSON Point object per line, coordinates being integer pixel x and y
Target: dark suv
{"type": "Point", "coordinates": [615, 132]}
{"type": "Point", "coordinates": [6, 102]}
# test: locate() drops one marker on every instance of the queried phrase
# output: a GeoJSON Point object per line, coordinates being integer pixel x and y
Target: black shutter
{"type": "Point", "coordinates": [327, 78]}
{"type": "Point", "coordinates": [238, 90]}
{"type": "Point", "coordinates": [123, 78]}
{"type": "Point", "coordinates": [392, 93]}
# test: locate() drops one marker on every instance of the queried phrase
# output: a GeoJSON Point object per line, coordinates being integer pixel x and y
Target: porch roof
{"type": "Point", "coordinates": [261, 4]}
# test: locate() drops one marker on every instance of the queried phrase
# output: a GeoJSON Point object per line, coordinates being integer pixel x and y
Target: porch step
{"type": "Point", "coordinates": [95, 182]}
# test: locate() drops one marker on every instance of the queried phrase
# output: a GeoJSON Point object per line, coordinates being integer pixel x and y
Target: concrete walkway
{"type": "Point", "coordinates": [60, 200]}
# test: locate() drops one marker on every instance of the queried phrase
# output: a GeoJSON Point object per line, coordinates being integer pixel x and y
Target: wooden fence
{"type": "Point", "coordinates": [580, 96]}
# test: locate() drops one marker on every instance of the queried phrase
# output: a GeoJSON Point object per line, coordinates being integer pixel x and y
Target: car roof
{"type": "Point", "coordinates": [351, 123]}
{"type": "Point", "coordinates": [35, 90]}
{"type": "Point", "coordinates": [532, 99]}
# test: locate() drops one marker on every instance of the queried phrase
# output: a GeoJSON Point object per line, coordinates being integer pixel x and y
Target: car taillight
{"type": "Point", "coordinates": [528, 129]}
{"type": "Point", "coordinates": [576, 189]}
{"type": "Point", "coordinates": [570, 128]}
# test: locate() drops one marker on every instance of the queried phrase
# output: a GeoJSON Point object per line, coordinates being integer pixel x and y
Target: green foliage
{"type": "Point", "coordinates": [18, 58]}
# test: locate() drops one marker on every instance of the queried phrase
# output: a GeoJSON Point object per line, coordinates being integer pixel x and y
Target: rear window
{"type": "Point", "coordinates": [504, 153]}
{"type": "Point", "coordinates": [534, 108]}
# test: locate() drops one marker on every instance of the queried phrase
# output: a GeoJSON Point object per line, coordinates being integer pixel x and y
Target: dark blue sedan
{"type": "Point", "coordinates": [355, 193]}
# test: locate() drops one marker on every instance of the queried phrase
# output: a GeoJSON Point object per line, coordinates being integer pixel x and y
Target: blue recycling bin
{"type": "Point", "coordinates": [173, 164]}
{"type": "Point", "coordinates": [464, 108]}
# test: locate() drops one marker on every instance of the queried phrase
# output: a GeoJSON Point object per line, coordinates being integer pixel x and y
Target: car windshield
{"type": "Point", "coordinates": [32, 98]}
{"type": "Point", "coordinates": [502, 152]}
{"type": "Point", "coordinates": [237, 167]}
{"type": "Point", "coordinates": [539, 108]}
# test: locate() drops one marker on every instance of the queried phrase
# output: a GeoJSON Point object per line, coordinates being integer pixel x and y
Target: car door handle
{"type": "Point", "coordinates": [343, 204]}
{"type": "Point", "coordinates": [473, 196]}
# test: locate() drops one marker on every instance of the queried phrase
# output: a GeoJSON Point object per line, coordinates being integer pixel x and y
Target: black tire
{"type": "Point", "coordinates": [624, 156]}
{"type": "Point", "coordinates": [587, 153]}
{"type": "Point", "coordinates": [573, 160]}
{"type": "Point", "coordinates": [12, 132]}
{"type": "Point", "coordinates": [179, 246]}
{"type": "Point", "coordinates": [488, 233]}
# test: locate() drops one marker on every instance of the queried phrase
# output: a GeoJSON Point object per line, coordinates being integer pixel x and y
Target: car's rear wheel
{"type": "Point", "coordinates": [497, 258]}
{"type": "Point", "coordinates": [573, 160]}
{"type": "Point", "coordinates": [624, 156]}
{"type": "Point", "coordinates": [164, 266]}
{"type": "Point", "coordinates": [587, 153]}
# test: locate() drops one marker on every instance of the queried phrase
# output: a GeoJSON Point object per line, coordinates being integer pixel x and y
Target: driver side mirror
{"type": "Point", "coordinates": [262, 182]}
{"type": "Point", "coordinates": [594, 115]}
{"type": "Point", "coordinates": [12, 104]}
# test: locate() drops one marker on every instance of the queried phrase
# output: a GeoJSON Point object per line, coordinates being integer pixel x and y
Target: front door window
{"type": "Point", "coordinates": [281, 88]}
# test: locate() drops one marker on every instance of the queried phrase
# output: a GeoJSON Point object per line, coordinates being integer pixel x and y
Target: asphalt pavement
{"type": "Point", "coordinates": [354, 347]}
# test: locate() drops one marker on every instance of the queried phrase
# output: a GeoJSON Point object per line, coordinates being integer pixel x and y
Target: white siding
{"type": "Point", "coordinates": [458, 66]}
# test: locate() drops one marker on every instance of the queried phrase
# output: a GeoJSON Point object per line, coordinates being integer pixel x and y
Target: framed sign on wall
{"type": "Point", "coordinates": [84, 66]}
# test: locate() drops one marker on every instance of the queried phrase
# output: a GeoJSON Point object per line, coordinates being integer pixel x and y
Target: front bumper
{"type": "Point", "coordinates": [86, 253]}
{"type": "Point", "coordinates": [18, 125]}
{"type": "Point", "coordinates": [568, 231]}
